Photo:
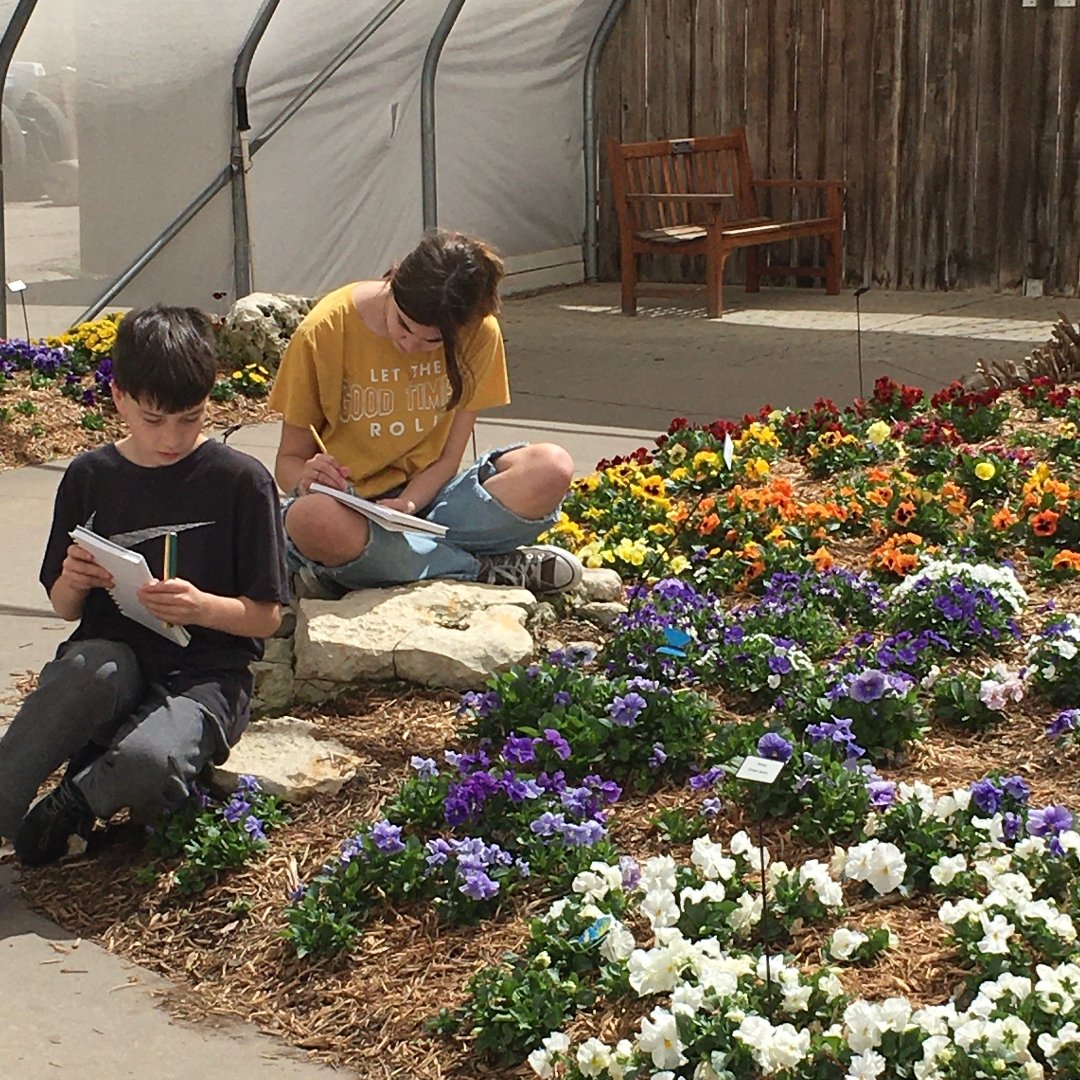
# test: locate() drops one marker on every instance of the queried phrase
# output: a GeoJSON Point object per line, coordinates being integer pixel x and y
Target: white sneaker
{"type": "Point", "coordinates": [540, 568]}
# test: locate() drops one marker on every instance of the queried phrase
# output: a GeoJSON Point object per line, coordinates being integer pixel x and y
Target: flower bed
{"type": "Point", "coordinates": [563, 872]}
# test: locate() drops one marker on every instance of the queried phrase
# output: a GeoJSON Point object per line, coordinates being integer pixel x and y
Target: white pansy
{"type": "Point", "coordinates": [863, 1026]}
{"type": "Point", "coordinates": [952, 913]}
{"type": "Point", "coordinates": [831, 986]}
{"type": "Point", "coordinates": [710, 892]}
{"type": "Point", "coordinates": [687, 999]}
{"type": "Point", "coordinates": [555, 911]}
{"type": "Point", "coordinates": [866, 1066]}
{"type": "Point", "coordinates": [660, 908]}
{"type": "Point", "coordinates": [593, 1057]}
{"type": "Point", "coordinates": [844, 943]}
{"type": "Point", "coordinates": [934, 1019]}
{"type": "Point", "coordinates": [894, 1014]}
{"type": "Point", "coordinates": [541, 1060]}
{"type": "Point", "coordinates": [741, 844]}
{"type": "Point", "coordinates": [789, 1046]}
{"type": "Point", "coordinates": [653, 971]}
{"type": "Point", "coordinates": [710, 859]}
{"type": "Point", "coordinates": [658, 873]}
{"type": "Point", "coordinates": [796, 997]}
{"type": "Point", "coordinates": [618, 943]}
{"type": "Point", "coordinates": [747, 913]}
{"type": "Point", "coordinates": [1052, 1045]}
{"type": "Point", "coordinates": [947, 867]}
{"type": "Point", "coordinates": [659, 1039]}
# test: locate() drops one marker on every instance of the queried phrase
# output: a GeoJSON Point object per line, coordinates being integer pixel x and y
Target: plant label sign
{"type": "Point", "coordinates": [759, 769]}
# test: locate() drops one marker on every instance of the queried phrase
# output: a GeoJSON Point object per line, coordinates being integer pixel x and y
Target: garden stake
{"type": "Point", "coordinates": [858, 334]}
{"type": "Point", "coordinates": [759, 770]}
{"type": "Point", "coordinates": [765, 916]}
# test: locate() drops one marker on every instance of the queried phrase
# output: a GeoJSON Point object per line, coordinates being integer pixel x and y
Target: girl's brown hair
{"type": "Point", "coordinates": [448, 281]}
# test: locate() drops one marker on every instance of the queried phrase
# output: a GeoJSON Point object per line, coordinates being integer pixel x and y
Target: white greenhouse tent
{"type": "Point", "coordinates": [365, 122]}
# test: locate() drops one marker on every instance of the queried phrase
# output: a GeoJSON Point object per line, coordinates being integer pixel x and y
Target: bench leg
{"type": "Point", "coordinates": [714, 278]}
{"type": "Point", "coordinates": [753, 269]}
{"type": "Point", "coordinates": [628, 274]}
{"type": "Point", "coordinates": [833, 249]}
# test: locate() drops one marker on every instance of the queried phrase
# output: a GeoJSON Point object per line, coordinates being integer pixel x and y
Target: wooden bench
{"type": "Point", "coordinates": [700, 197]}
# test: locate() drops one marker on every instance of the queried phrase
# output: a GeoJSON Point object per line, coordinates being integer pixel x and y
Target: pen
{"type": "Point", "coordinates": [318, 440]}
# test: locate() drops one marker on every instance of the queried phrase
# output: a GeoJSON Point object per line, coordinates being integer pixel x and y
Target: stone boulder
{"type": "Point", "coordinates": [443, 633]}
{"type": "Point", "coordinates": [289, 758]}
{"type": "Point", "coordinates": [258, 327]}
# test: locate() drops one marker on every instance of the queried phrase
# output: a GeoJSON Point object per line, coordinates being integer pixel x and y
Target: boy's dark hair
{"type": "Point", "coordinates": [166, 356]}
{"type": "Point", "coordinates": [448, 281]}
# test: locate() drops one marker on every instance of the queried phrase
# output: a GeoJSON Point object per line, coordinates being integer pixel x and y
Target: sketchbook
{"type": "Point", "coordinates": [386, 516]}
{"type": "Point", "coordinates": [129, 572]}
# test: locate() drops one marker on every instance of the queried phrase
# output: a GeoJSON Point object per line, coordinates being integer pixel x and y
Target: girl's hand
{"type": "Point", "coordinates": [406, 506]}
{"type": "Point", "coordinates": [81, 572]}
{"type": "Point", "coordinates": [322, 469]}
{"type": "Point", "coordinates": [174, 601]}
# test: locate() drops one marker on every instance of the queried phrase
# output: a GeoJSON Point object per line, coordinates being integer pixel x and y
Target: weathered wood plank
{"type": "Point", "coordinates": [887, 42]}
{"type": "Point", "coordinates": [960, 163]}
{"type": "Point", "coordinates": [1064, 272]}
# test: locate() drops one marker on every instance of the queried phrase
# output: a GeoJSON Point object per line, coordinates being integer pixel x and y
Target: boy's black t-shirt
{"type": "Point", "coordinates": [223, 506]}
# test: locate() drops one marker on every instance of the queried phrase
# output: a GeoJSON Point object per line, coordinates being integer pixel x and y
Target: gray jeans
{"type": "Point", "coordinates": [134, 743]}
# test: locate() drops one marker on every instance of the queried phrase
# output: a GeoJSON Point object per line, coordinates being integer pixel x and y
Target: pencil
{"type": "Point", "coordinates": [168, 562]}
{"type": "Point", "coordinates": [318, 439]}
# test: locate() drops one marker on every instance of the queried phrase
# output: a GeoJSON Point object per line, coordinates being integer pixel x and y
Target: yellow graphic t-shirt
{"type": "Point", "coordinates": [380, 411]}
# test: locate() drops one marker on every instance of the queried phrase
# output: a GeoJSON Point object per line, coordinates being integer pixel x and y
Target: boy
{"type": "Point", "coordinates": [136, 715]}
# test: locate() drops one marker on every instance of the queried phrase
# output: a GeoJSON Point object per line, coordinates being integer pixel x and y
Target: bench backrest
{"type": "Point", "coordinates": [713, 164]}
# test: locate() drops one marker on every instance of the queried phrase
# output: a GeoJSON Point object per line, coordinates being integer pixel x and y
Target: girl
{"type": "Point", "coordinates": [391, 374]}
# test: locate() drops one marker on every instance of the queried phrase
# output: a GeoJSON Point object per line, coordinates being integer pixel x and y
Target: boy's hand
{"type": "Point", "coordinates": [174, 601]}
{"type": "Point", "coordinates": [81, 572]}
{"type": "Point", "coordinates": [322, 469]}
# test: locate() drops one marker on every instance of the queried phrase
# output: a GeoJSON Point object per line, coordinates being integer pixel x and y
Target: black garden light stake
{"type": "Point", "coordinates": [760, 770]}
{"type": "Point", "coordinates": [858, 334]}
{"type": "Point", "coordinates": [20, 288]}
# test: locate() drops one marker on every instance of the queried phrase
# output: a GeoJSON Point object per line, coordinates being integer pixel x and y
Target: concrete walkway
{"type": "Point", "coordinates": [582, 375]}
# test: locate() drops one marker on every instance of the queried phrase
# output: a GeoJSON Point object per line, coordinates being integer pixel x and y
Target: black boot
{"type": "Point", "coordinates": [43, 835]}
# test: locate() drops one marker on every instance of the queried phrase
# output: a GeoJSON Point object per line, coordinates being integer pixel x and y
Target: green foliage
{"type": "Point", "coordinates": [211, 838]}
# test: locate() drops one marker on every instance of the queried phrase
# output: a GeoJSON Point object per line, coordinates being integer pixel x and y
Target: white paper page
{"type": "Point", "coordinates": [129, 572]}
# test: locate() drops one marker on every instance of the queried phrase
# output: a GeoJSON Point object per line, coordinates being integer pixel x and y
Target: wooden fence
{"type": "Point", "coordinates": [955, 123]}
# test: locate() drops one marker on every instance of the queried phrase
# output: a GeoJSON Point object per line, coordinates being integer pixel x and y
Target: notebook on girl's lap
{"type": "Point", "coordinates": [386, 516]}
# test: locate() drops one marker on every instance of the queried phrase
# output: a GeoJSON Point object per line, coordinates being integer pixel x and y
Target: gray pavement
{"type": "Point", "coordinates": [582, 375]}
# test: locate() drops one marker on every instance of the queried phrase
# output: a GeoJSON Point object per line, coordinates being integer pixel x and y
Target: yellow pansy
{"type": "Point", "coordinates": [878, 432]}
{"type": "Point", "coordinates": [677, 453]}
{"type": "Point", "coordinates": [678, 564]}
{"type": "Point", "coordinates": [985, 470]}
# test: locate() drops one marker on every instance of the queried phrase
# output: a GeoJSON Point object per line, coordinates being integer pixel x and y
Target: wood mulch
{"type": "Point", "coordinates": [366, 1011]}
{"type": "Point", "coordinates": [54, 429]}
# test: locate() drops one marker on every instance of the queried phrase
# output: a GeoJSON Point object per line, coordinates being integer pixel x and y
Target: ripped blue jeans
{"type": "Point", "coordinates": [477, 524]}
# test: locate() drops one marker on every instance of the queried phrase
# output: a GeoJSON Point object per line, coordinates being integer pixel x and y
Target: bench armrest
{"type": "Point", "coordinates": [798, 183]}
{"type": "Point", "coordinates": [700, 196]}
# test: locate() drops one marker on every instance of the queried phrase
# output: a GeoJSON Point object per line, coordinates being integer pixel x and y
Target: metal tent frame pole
{"type": "Point", "coordinates": [592, 172]}
{"type": "Point", "coordinates": [240, 154]}
{"type": "Point", "coordinates": [8, 44]}
{"type": "Point", "coordinates": [429, 180]}
{"type": "Point", "coordinates": [226, 174]}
